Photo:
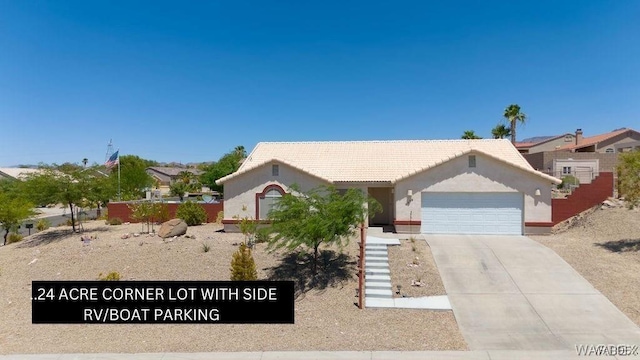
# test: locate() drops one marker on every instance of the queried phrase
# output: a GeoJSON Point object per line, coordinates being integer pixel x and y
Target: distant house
{"type": "Point", "coordinates": [17, 173]}
{"type": "Point", "coordinates": [584, 157]}
{"type": "Point", "coordinates": [165, 176]}
{"type": "Point", "coordinates": [544, 143]}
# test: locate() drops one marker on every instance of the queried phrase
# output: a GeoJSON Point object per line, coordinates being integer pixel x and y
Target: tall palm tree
{"type": "Point", "coordinates": [500, 131]}
{"type": "Point", "coordinates": [470, 135]}
{"type": "Point", "coordinates": [513, 115]}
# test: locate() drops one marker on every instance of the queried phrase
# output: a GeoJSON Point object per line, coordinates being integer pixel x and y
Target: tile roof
{"type": "Point", "coordinates": [19, 173]}
{"type": "Point", "coordinates": [376, 161]}
{"type": "Point", "coordinates": [527, 143]}
{"type": "Point", "coordinates": [588, 141]}
{"type": "Point", "coordinates": [173, 171]}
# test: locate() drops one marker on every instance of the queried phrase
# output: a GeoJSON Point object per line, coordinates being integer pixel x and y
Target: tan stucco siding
{"type": "Point", "coordinates": [241, 191]}
{"type": "Point", "coordinates": [489, 175]}
{"type": "Point", "coordinates": [620, 139]}
{"type": "Point", "coordinates": [551, 145]}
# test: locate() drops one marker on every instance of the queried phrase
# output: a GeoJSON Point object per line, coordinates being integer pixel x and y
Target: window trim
{"type": "Point", "coordinates": [263, 194]}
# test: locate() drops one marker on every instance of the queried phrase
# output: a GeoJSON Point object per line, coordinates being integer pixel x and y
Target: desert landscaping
{"type": "Point", "coordinates": [326, 318]}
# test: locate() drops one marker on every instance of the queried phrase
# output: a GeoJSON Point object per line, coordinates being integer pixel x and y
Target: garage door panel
{"type": "Point", "coordinates": [472, 213]}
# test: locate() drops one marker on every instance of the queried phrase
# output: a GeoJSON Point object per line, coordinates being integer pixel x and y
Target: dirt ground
{"type": "Point", "coordinates": [410, 263]}
{"type": "Point", "coordinates": [326, 317]}
{"type": "Point", "coordinates": [604, 247]}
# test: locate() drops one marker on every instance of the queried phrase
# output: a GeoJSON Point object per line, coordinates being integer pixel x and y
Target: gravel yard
{"type": "Point", "coordinates": [412, 262]}
{"type": "Point", "coordinates": [325, 319]}
{"type": "Point", "coordinates": [604, 247]}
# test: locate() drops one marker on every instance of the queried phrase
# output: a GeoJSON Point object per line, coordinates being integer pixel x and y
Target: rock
{"type": "Point", "coordinates": [173, 227]}
{"type": "Point", "coordinates": [125, 236]}
{"type": "Point", "coordinates": [136, 234]}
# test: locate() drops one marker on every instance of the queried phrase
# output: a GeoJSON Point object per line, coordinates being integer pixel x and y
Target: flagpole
{"type": "Point", "coordinates": [119, 197]}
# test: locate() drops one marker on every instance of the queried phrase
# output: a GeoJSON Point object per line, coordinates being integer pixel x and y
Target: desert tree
{"type": "Point", "coordinates": [14, 207]}
{"type": "Point", "coordinates": [243, 267]}
{"type": "Point", "coordinates": [227, 164]}
{"type": "Point", "coordinates": [318, 216]}
{"type": "Point", "coordinates": [628, 170]}
{"type": "Point", "coordinates": [513, 116]}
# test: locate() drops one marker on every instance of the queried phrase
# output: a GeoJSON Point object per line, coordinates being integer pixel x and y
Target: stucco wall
{"type": "Point", "coordinates": [626, 137]}
{"type": "Point", "coordinates": [551, 145]}
{"type": "Point", "coordinates": [241, 191]}
{"type": "Point", "coordinates": [488, 176]}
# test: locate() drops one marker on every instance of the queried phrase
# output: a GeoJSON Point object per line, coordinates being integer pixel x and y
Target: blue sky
{"type": "Point", "coordinates": [188, 81]}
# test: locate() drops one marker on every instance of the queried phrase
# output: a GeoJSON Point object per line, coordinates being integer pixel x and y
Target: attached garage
{"type": "Point", "coordinates": [472, 213]}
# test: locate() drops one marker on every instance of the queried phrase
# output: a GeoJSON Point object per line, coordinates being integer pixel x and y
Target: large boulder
{"type": "Point", "coordinates": [173, 227]}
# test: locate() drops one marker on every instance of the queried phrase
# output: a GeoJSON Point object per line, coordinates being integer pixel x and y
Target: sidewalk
{"type": "Point", "coordinates": [323, 355]}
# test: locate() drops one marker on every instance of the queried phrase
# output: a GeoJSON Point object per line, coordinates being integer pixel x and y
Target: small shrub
{"type": "Point", "coordinates": [243, 267]}
{"type": "Point", "coordinates": [14, 237]}
{"type": "Point", "coordinates": [262, 235]}
{"type": "Point", "coordinates": [112, 276]}
{"type": "Point", "coordinates": [206, 247]}
{"type": "Point", "coordinates": [43, 224]}
{"type": "Point", "coordinates": [115, 221]}
{"type": "Point", "coordinates": [568, 180]}
{"type": "Point", "coordinates": [161, 213]}
{"type": "Point", "coordinates": [191, 213]}
{"type": "Point", "coordinates": [104, 214]}
{"type": "Point", "coordinates": [219, 217]}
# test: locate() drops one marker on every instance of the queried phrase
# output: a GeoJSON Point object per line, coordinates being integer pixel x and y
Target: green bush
{"type": "Point", "coordinates": [13, 238]}
{"type": "Point", "coordinates": [43, 224]}
{"type": "Point", "coordinates": [243, 267]}
{"type": "Point", "coordinates": [115, 221]}
{"type": "Point", "coordinates": [112, 276]}
{"type": "Point", "coordinates": [262, 235]}
{"type": "Point", "coordinates": [192, 213]}
{"type": "Point", "coordinates": [568, 180]}
{"type": "Point", "coordinates": [161, 212]}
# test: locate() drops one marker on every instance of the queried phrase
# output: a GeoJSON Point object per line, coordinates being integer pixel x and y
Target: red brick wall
{"type": "Point", "coordinates": [121, 210]}
{"type": "Point", "coordinates": [583, 198]}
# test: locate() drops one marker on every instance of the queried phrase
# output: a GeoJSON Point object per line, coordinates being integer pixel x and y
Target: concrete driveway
{"type": "Point", "coordinates": [512, 293]}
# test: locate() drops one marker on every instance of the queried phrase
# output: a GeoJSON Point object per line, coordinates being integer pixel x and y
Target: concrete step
{"type": "Point", "coordinates": [376, 271]}
{"type": "Point", "coordinates": [372, 259]}
{"type": "Point", "coordinates": [376, 265]}
{"type": "Point", "coordinates": [377, 285]}
{"type": "Point", "coordinates": [378, 278]}
{"type": "Point", "coordinates": [375, 246]}
{"type": "Point", "coordinates": [376, 253]}
{"type": "Point", "coordinates": [378, 293]}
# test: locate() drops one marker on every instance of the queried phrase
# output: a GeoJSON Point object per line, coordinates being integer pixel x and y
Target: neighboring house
{"type": "Point", "coordinates": [586, 157]}
{"type": "Point", "coordinates": [544, 143]}
{"type": "Point", "coordinates": [17, 173]}
{"type": "Point", "coordinates": [164, 176]}
{"type": "Point", "coordinates": [428, 186]}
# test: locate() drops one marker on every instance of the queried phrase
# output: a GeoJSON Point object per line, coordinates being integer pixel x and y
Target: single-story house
{"type": "Point", "coordinates": [427, 186]}
{"type": "Point", "coordinates": [165, 176]}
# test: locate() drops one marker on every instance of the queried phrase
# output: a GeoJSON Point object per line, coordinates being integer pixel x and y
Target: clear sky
{"type": "Point", "coordinates": [189, 80]}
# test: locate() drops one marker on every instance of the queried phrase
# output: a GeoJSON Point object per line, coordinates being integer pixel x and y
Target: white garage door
{"type": "Point", "coordinates": [472, 213]}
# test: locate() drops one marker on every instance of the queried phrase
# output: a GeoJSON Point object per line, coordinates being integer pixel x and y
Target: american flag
{"type": "Point", "coordinates": [114, 160]}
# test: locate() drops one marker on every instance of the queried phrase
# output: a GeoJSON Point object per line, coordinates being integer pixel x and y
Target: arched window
{"type": "Point", "coordinates": [267, 199]}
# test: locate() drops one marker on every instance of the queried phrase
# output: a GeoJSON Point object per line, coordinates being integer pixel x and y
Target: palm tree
{"type": "Point", "coordinates": [513, 115]}
{"type": "Point", "coordinates": [240, 151]}
{"type": "Point", "coordinates": [470, 135]}
{"type": "Point", "coordinates": [500, 132]}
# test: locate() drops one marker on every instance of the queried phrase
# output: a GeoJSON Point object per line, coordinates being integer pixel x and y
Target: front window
{"type": "Point", "coordinates": [610, 150]}
{"type": "Point", "coordinates": [267, 201]}
{"type": "Point", "coordinates": [566, 170]}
